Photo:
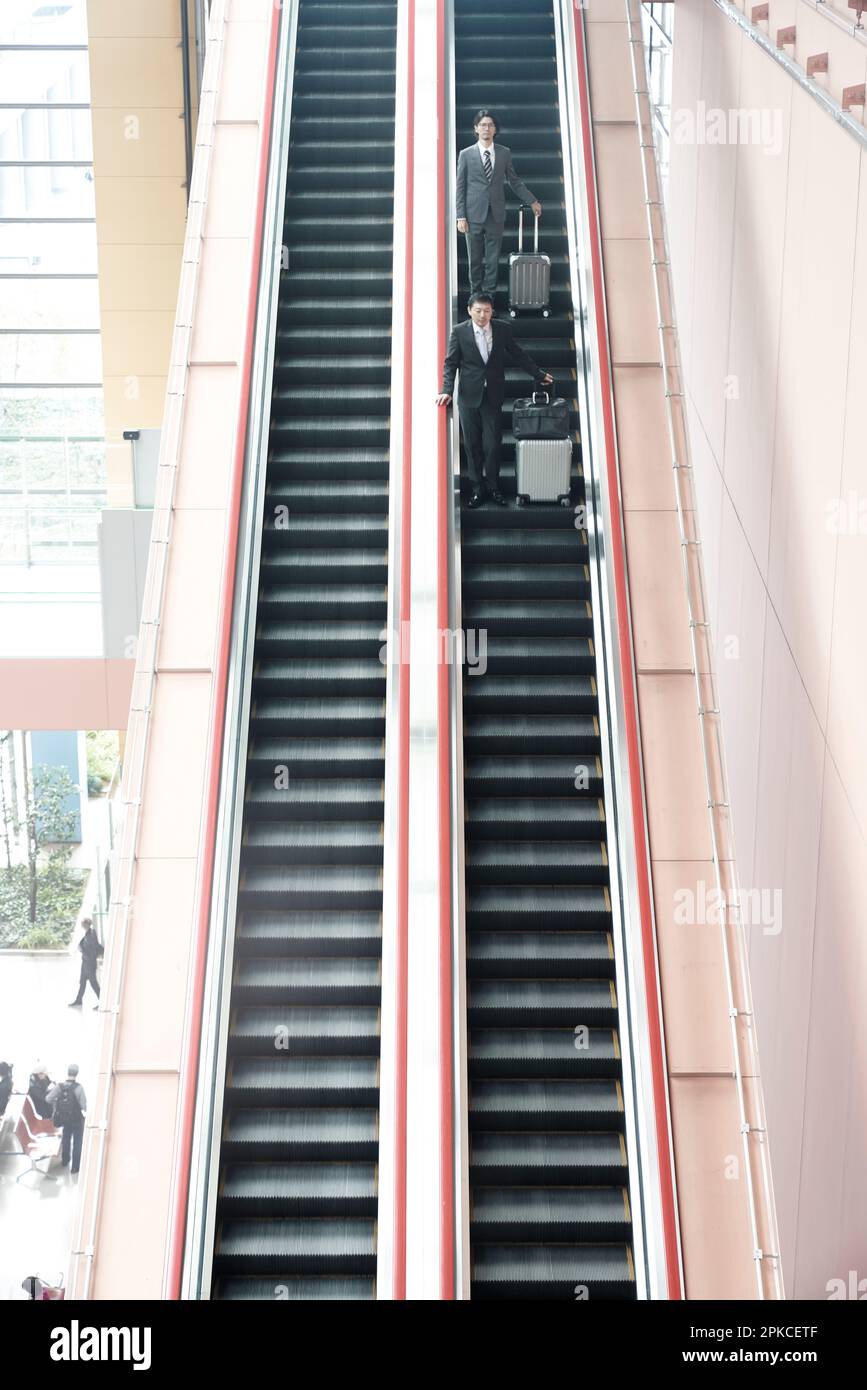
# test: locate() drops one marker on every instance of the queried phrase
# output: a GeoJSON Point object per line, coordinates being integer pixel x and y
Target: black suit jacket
{"type": "Point", "coordinates": [463, 356]}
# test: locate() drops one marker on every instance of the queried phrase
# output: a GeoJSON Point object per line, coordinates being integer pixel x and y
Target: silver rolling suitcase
{"type": "Point", "coordinates": [544, 470]}
{"type": "Point", "coordinates": [529, 274]}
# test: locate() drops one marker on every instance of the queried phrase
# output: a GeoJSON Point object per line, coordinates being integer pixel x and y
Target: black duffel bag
{"type": "Point", "coordinates": [539, 417]}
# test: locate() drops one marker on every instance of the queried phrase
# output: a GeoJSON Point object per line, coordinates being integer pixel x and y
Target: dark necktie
{"type": "Point", "coordinates": [489, 168]}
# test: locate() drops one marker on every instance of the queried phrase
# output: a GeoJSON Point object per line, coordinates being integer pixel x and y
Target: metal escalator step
{"type": "Point", "coordinates": [522, 1157]}
{"type": "Point", "coordinates": [550, 583]}
{"type": "Point", "coordinates": [311, 530]}
{"type": "Point", "coordinates": [325, 1246]}
{"type": "Point", "coordinates": [333, 639]}
{"type": "Point", "coordinates": [317, 886]}
{"type": "Point", "coordinates": [318, 1132]}
{"type": "Point", "coordinates": [536, 776]}
{"type": "Point", "coordinates": [353, 842]}
{"type": "Point", "coordinates": [329, 497]}
{"type": "Point", "coordinates": [363, 757]}
{"type": "Point", "coordinates": [305, 401]}
{"type": "Point", "coordinates": [326, 465]}
{"type": "Point", "coordinates": [336, 431]}
{"type": "Point", "coordinates": [328, 565]}
{"type": "Point", "coordinates": [541, 1003]}
{"type": "Point", "coordinates": [521, 818]}
{"type": "Point", "coordinates": [539, 655]}
{"type": "Point", "coordinates": [574, 1214]}
{"type": "Point", "coordinates": [293, 370]}
{"type": "Point", "coordinates": [298, 1189]}
{"type": "Point", "coordinates": [292, 1288]}
{"type": "Point", "coordinates": [350, 602]}
{"type": "Point", "coordinates": [544, 1052]}
{"type": "Point", "coordinates": [337, 1030]}
{"type": "Point", "coordinates": [303, 1081]}
{"type": "Point", "coordinates": [576, 1104]}
{"type": "Point", "coordinates": [553, 1271]}
{"type": "Point", "coordinates": [320, 677]}
{"type": "Point", "coordinates": [322, 716]}
{"type": "Point", "coordinates": [487, 734]}
{"type": "Point", "coordinates": [536, 861]}
{"type": "Point", "coordinates": [520, 694]}
{"type": "Point", "coordinates": [357, 933]}
{"type": "Point", "coordinates": [540, 618]}
{"type": "Point", "coordinates": [525, 907]}
{"type": "Point", "coordinates": [538, 955]}
{"type": "Point", "coordinates": [322, 799]}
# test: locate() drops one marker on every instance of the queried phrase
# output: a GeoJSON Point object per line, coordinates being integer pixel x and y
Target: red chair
{"type": "Point", "coordinates": [39, 1148]}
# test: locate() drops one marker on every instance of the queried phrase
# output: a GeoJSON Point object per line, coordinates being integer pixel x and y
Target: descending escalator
{"type": "Point", "coordinates": [296, 1204]}
{"type": "Point", "coordinates": [550, 1210]}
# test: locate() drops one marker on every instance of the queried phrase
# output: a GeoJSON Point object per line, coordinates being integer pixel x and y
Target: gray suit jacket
{"type": "Point", "coordinates": [475, 196]}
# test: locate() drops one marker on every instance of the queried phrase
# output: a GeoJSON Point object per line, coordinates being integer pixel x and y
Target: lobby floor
{"type": "Point", "coordinates": [36, 1216]}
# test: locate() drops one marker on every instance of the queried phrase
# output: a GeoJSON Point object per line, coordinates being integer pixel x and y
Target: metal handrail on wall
{"type": "Point", "coordinates": [144, 677]}
{"type": "Point", "coordinates": [744, 1048]}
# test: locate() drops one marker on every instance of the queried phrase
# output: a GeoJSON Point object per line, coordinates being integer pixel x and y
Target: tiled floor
{"type": "Point", "coordinates": [36, 1216]}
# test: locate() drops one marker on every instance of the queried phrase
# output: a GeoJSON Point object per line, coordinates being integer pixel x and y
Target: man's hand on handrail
{"type": "Point", "coordinates": [444, 400]}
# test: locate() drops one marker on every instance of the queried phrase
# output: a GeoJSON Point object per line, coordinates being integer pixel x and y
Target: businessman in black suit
{"type": "Point", "coordinates": [480, 350]}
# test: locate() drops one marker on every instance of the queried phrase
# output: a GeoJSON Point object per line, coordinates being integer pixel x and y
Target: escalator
{"type": "Point", "coordinates": [549, 1195]}
{"type": "Point", "coordinates": [297, 1192]}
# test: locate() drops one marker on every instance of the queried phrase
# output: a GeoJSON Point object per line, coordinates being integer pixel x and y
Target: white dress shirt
{"type": "Point", "coordinates": [484, 340]}
{"type": "Point", "coordinates": [490, 152]}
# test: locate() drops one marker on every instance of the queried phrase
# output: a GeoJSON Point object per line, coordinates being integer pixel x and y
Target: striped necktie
{"type": "Point", "coordinates": [489, 168]}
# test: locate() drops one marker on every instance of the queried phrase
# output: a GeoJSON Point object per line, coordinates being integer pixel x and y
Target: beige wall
{"type": "Point", "coordinates": [136, 80]}
{"type": "Point", "coordinates": [769, 255]}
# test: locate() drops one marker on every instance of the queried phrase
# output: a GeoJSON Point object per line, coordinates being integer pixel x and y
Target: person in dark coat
{"type": "Point", "coordinates": [38, 1091]}
{"type": "Point", "coordinates": [91, 950]}
{"type": "Point", "coordinates": [480, 349]}
{"type": "Point", "coordinates": [68, 1108]}
{"type": "Point", "coordinates": [5, 1085]}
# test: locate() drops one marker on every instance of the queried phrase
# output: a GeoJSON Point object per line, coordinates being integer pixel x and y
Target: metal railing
{"type": "Point", "coordinates": [144, 677]}
{"type": "Point", "coordinates": [740, 1009]}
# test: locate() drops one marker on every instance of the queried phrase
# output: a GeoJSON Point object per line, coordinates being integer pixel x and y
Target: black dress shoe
{"type": "Point", "coordinates": [498, 497]}
{"type": "Point", "coordinates": [476, 499]}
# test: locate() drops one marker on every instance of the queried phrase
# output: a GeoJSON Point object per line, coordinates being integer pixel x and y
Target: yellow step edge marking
{"type": "Point", "coordinates": [626, 1209]}
{"type": "Point", "coordinates": [630, 1264]}
{"type": "Point", "coordinates": [610, 941]}
{"type": "Point", "coordinates": [613, 995]}
{"type": "Point", "coordinates": [619, 1095]}
{"type": "Point", "coordinates": [592, 685]}
{"type": "Point", "coordinates": [604, 853]}
{"type": "Point", "coordinates": [607, 900]}
{"type": "Point", "coordinates": [598, 766]}
{"type": "Point", "coordinates": [590, 640]}
{"type": "Point", "coordinates": [616, 1040]}
{"type": "Point", "coordinates": [601, 806]}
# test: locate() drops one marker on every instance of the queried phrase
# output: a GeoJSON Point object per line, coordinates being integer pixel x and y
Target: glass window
{"type": "Point", "coordinates": [70, 412]}
{"type": "Point", "coordinates": [50, 357]}
{"type": "Point", "coordinates": [39, 134]}
{"type": "Point", "coordinates": [47, 192]}
{"type": "Point", "coordinates": [61, 248]}
{"type": "Point", "coordinates": [31, 303]}
{"type": "Point", "coordinates": [43, 21]}
{"type": "Point", "coordinates": [51, 75]}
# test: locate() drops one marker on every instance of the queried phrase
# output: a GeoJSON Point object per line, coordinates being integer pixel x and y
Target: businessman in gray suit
{"type": "Point", "coordinates": [484, 169]}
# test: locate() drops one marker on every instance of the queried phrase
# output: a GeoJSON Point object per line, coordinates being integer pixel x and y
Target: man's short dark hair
{"type": "Point", "coordinates": [479, 299]}
{"type": "Point", "coordinates": [480, 116]}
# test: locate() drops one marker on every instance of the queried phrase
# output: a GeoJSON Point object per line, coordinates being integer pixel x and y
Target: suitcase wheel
{"type": "Point", "coordinates": [512, 314]}
{"type": "Point", "coordinates": [564, 501]}
{"type": "Point", "coordinates": [546, 314]}
{"type": "Point", "coordinates": [521, 499]}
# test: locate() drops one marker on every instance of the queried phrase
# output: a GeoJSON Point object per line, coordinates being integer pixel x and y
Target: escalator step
{"type": "Point", "coordinates": [306, 1031]}
{"type": "Point", "coordinates": [302, 933]}
{"type": "Point", "coordinates": [547, 1052]}
{"type": "Point", "coordinates": [306, 1189]}
{"type": "Point", "coordinates": [290, 1287]}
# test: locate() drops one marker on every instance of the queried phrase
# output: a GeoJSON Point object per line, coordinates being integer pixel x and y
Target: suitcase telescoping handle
{"type": "Point", "coordinates": [544, 396]}
{"type": "Point", "coordinates": [521, 232]}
